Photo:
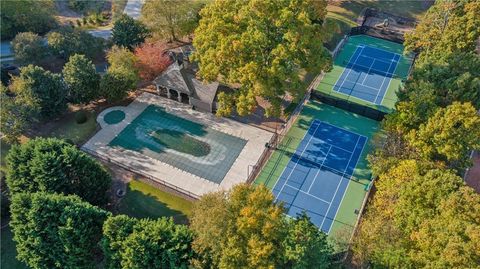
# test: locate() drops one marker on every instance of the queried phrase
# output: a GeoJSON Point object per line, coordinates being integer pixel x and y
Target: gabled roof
{"type": "Point", "coordinates": [183, 80]}
{"type": "Point", "coordinates": [172, 78]}
{"type": "Point", "coordinates": [202, 91]}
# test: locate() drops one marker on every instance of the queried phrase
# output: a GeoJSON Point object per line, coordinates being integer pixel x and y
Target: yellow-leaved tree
{"type": "Point", "coordinates": [261, 46]}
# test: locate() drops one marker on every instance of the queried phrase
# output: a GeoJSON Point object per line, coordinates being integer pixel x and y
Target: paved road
{"type": "Point", "coordinates": [132, 9]}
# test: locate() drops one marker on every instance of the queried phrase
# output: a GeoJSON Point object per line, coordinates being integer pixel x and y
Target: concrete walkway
{"type": "Point", "coordinates": [142, 164]}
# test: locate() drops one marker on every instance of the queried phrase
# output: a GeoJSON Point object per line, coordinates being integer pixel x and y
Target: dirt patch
{"type": "Point", "coordinates": [64, 14]}
{"type": "Point", "coordinates": [472, 177]}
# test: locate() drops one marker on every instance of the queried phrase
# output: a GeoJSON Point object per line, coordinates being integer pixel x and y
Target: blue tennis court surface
{"type": "Point", "coordinates": [367, 74]}
{"type": "Point", "coordinates": [318, 173]}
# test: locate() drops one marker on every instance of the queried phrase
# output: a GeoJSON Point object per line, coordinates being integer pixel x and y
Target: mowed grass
{"type": "Point", "coordinates": [8, 251]}
{"type": "Point", "coordinates": [68, 129]}
{"type": "Point", "coordinates": [345, 13]}
{"type": "Point", "coordinates": [145, 201]}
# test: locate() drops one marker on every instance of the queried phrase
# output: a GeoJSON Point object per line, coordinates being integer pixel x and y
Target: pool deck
{"type": "Point", "coordinates": [256, 139]}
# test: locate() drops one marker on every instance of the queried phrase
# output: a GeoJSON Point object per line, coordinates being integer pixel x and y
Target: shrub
{"type": "Point", "coordinates": [81, 117]}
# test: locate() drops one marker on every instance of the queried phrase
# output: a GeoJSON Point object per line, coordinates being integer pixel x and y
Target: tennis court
{"type": "Point", "coordinates": [368, 73]}
{"type": "Point", "coordinates": [318, 173]}
{"type": "Point", "coordinates": [339, 129]}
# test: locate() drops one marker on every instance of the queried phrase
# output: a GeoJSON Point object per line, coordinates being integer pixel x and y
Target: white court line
{"type": "Point", "coordinates": [383, 81]}
{"type": "Point", "coordinates": [349, 69]}
{"type": "Point", "coordinates": [348, 184]}
{"type": "Point", "coordinates": [382, 73]}
{"type": "Point", "coordinates": [320, 199]}
{"type": "Point", "coordinates": [368, 72]}
{"type": "Point", "coordinates": [341, 148]}
{"type": "Point", "coordinates": [379, 60]}
{"type": "Point", "coordinates": [350, 131]}
{"type": "Point", "coordinates": [363, 85]}
{"type": "Point", "coordinates": [320, 168]}
{"type": "Point", "coordinates": [338, 186]}
{"type": "Point", "coordinates": [285, 168]}
{"type": "Point", "coordinates": [382, 50]}
{"type": "Point", "coordinates": [394, 70]}
{"type": "Point", "coordinates": [293, 169]}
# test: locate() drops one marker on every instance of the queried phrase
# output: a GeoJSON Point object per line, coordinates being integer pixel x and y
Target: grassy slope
{"type": "Point", "coordinates": [68, 128]}
{"type": "Point", "coordinates": [145, 201]}
{"type": "Point", "coordinates": [8, 251]}
{"type": "Point", "coordinates": [345, 13]}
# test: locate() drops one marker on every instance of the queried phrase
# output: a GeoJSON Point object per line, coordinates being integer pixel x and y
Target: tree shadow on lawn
{"type": "Point", "coordinates": [142, 204]}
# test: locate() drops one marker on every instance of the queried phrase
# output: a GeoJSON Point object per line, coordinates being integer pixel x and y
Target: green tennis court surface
{"type": "Point", "coordinates": [354, 192]}
{"type": "Point", "coordinates": [181, 143]}
{"type": "Point", "coordinates": [367, 71]}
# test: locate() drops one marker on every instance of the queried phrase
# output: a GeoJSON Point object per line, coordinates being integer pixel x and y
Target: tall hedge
{"type": "Point", "coordinates": [53, 165]}
{"type": "Point", "coordinates": [56, 231]}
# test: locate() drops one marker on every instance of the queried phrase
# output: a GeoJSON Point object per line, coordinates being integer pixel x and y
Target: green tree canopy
{"type": "Point", "coordinates": [82, 80]}
{"type": "Point", "coordinates": [29, 48]}
{"type": "Point", "coordinates": [447, 27]}
{"type": "Point", "coordinates": [457, 79]}
{"type": "Point", "coordinates": [17, 112]}
{"type": "Point", "coordinates": [171, 19]}
{"type": "Point", "coordinates": [451, 239]}
{"type": "Point", "coordinates": [247, 231]}
{"type": "Point", "coordinates": [123, 60]}
{"type": "Point", "coordinates": [66, 41]}
{"type": "Point", "coordinates": [47, 88]}
{"type": "Point", "coordinates": [409, 114]}
{"type": "Point", "coordinates": [261, 46]}
{"type": "Point", "coordinates": [449, 135]}
{"type": "Point", "coordinates": [250, 231]}
{"type": "Point", "coordinates": [26, 16]}
{"type": "Point", "coordinates": [306, 246]}
{"type": "Point", "coordinates": [115, 84]}
{"type": "Point", "coordinates": [52, 165]}
{"type": "Point", "coordinates": [133, 243]}
{"type": "Point", "coordinates": [55, 231]}
{"type": "Point", "coordinates": [128, 33]}
{"type": "Point", "coordinates": [407, 195]}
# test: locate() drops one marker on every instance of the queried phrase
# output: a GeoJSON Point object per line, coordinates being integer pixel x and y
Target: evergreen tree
{"type": "Point", "coordinates": [55, 231]}
{"type": "Point", "coordinates": [82, 80]}
{"type": "Point", "coordinates": [46, 87]}
{"type": "Point", "coordinates": [128, 33]}
{"type": "Point", "coordinates": [52, 165]}
{"type": "Point", "coordinates": [133, 243]}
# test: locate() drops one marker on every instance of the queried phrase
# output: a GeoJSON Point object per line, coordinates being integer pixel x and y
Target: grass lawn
{"type": "Point", "coordinates": [345, 13]}
{"type": "Point", "coordinates": [67, 128]}
{"type": "Point", "coordinates": [8, 251]}
{"type": "Point", "coordinates": [145, 201]}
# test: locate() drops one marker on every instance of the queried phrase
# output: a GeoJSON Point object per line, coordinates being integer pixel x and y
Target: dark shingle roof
{"type": "Point", "coordinates": [184, 81]}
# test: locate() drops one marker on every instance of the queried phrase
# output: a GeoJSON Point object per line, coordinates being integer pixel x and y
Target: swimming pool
{"type": "Point", "coordinates": [186, 145]}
